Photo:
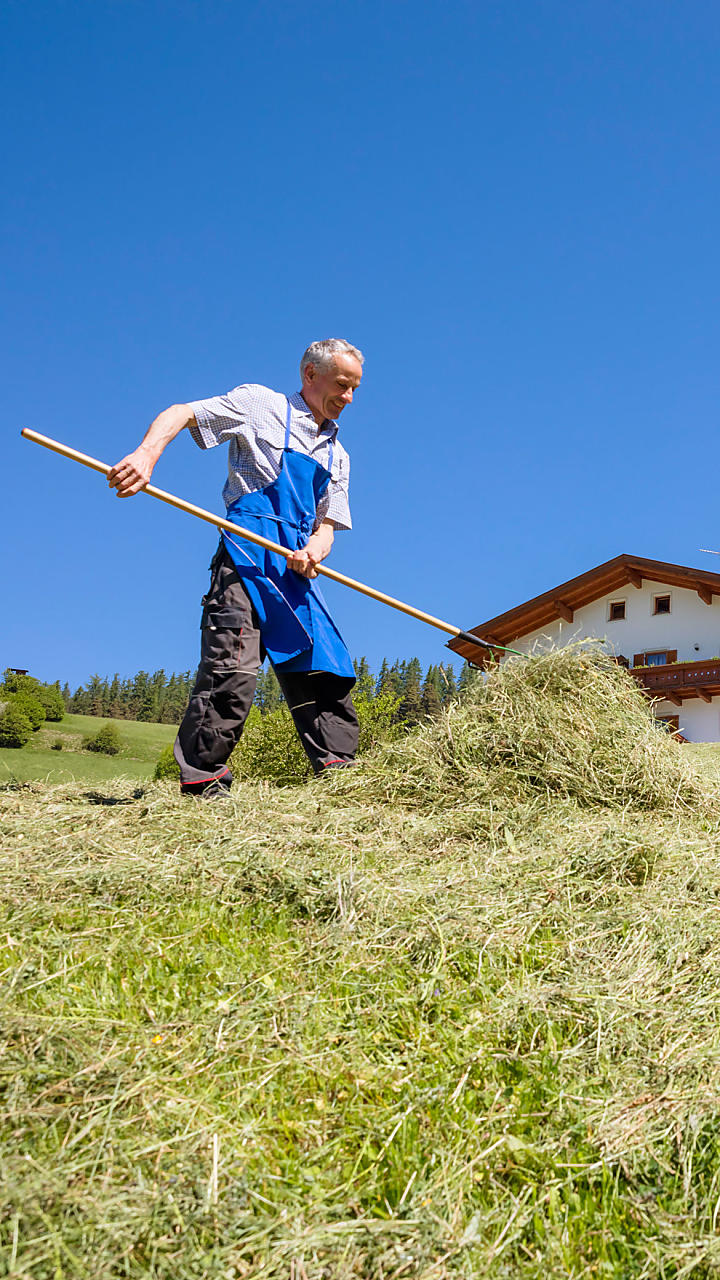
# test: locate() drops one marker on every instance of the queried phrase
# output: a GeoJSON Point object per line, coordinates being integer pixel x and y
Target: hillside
{"type": "Point", "coordinates": [450, 1015]}
{"type": "Point", "coordinates": [141, 742]}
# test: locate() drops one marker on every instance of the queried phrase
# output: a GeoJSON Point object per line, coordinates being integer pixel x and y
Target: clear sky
{"type": "Point", "coordinates": [511, 207]}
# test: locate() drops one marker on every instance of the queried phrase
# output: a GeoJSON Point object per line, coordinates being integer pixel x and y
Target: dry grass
{"type": "Point", "coordinates": [453, 1015]}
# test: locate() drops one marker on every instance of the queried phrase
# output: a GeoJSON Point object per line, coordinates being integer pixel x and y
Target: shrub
{"type": "Point", "coordinates": [167, 766]}
{"type": "Point", "coordinates": [50, 698]}
{"type": "Point", "coordinates": [57, 745]}
{"type": "Point", "coordinates": [15, 727]}
{"type": "Point", "coordinates": [28, 704]}
{"type": "Point", "coordinates": [378, 720]}
{"type": "Point", "coordinates": [106, 740]}
{"type": "Point", "coordinates": [270, 749]}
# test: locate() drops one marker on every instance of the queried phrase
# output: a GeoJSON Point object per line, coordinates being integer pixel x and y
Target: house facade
{"type": "Point", "coordinates": [661, 620]}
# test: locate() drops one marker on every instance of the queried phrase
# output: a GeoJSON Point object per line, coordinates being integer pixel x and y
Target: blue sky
{"type": "Point", "coordinates": [512, 209]}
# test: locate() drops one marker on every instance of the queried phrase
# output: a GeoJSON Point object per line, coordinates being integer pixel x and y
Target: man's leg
{"type": "Point", "coordinates": [324, 715]}
{"type": "Point", "coordinates": [225, 684]}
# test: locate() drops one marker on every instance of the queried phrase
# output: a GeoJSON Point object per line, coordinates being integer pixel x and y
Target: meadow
{"type": "Point", "coordinates": [453, 1014]}
{"type": "Point", "coordinates": [141, 744]}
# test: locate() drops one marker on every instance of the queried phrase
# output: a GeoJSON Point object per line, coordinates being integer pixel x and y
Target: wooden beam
{"type": "Point", "coordinates": [635, 578]}
{"type": "Point", "coordinates": [564, 610]}
{"type": "Point", "coordinates": [704, 593]}
{"type": "Point", "coordinates": [672, 697]}
{"type": "Point", "coordinates": [703, 693]}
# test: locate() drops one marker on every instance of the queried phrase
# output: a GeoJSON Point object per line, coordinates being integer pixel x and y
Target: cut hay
{"type": "Point", "coordinates": [454, 1015]}
{"type": "Point", "coordinates": [570, 723]}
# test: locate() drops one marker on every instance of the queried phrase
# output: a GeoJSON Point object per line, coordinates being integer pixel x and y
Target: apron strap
{"type": "Point", "coordinates": [331, 451]}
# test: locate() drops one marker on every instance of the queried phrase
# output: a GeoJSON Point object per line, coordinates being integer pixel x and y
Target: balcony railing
{"type": "Point", "coordinates": [678, 676]}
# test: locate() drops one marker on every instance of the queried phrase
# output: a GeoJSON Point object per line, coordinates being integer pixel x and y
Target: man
{"type": "Point", "coordinates": [288, 481]}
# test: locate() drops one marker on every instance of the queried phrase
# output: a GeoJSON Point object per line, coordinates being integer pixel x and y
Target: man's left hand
{"type": "Point", "coordinates": [303, 562]}
{"type": "Point", "coordinates": [318, 546]}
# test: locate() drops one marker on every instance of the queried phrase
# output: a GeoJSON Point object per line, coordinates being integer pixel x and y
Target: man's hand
{"type": "Point", "coordinates": [132, 473]}
{"type": "Point", "coordinates": [318, 546]}
{"type": "Point", "coordinates": [304, 563]}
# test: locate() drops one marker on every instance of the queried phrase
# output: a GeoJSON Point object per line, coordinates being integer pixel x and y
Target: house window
{"type": "Point", "coordinates": [660, 658]}
{"type": "Point", "coordinates": [661, 604]}
{"type": "Point", "coordinates": [616, 611]}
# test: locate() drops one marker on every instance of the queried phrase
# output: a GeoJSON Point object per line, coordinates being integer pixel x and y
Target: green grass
{"type": "Point", "coordinates": [452, 1016]}
{"type": "Point", "coordinates": [141, 746]}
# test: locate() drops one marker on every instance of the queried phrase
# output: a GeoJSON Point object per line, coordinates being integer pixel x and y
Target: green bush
{"type": "Point", "coordinates": [50, 698]}
{"type": "Point", "coordinates": [378, 722]}
{"type": "Point", "coordinates": [167, 766]}
{"type": "Point", "coordinates": [28, 704]}
{"type": "Point", "coordinates": [270, 749]}
{"type": "Point", "coordinates": [57, 745]}
{"type": "Point", "coordinates": [15, 727]}
{"type": "Point", "coordinates": [106, 740]}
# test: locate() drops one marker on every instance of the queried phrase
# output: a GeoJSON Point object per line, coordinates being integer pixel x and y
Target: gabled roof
{"type": "Point", "coordinates": [562, 601]}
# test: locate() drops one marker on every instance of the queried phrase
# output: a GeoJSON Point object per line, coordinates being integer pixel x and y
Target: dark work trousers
{"type": "Point", "coordinates": [230, 655]}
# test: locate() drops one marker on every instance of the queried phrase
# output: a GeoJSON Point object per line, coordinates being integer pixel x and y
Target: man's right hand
{"type": "Point", "coordinates": [131, 474]}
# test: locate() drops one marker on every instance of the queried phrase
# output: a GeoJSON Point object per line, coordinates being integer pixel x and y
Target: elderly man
{"type": "Point", "coordinates": [287, 480]}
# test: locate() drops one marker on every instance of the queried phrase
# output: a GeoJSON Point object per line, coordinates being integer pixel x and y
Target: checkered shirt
{"type": "Point", "coordinates": [252, 420]}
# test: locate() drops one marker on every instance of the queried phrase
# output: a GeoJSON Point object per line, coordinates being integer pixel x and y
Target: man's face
{"type": "Point", "coordinates": [328, 391]}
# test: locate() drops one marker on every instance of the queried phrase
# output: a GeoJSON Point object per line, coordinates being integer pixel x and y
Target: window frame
{"type": "Point", "coordinates": [662, 613]}
{"type": "Point", "coordinates": [611, 606]}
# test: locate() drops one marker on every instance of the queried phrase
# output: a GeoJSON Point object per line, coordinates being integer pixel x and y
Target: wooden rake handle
{"type": "Point", "coordinates": [75, 456]}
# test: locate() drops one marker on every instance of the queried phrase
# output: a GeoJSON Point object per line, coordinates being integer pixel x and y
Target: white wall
{"type": "Point", "coordinates": [692, 627]}
{"type": "Point", "coordinates": [699, 721]}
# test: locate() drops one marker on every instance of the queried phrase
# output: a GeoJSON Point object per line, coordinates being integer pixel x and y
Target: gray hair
{"type": "Point", "coordinates": [321, 354]}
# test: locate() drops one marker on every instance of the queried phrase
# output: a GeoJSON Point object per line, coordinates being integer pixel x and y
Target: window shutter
{"type": "Point", "coordinates": [639, 660]}
{"type": "Point", "coordinates": [671, 655]}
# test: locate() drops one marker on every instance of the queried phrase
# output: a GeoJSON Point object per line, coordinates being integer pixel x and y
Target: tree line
{"type": "Point", "coordinates": [162, 698]}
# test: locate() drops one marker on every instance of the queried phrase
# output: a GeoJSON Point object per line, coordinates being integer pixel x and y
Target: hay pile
{"type": "Point", "coordinates": [569, 724]}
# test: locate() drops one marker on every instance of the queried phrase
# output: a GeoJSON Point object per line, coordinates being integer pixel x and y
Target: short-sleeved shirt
{"type": "Point", "coordinates": [251, 419]}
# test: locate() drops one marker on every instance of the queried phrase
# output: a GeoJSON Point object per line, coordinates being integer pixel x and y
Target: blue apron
{"type": "Point", "coordinates": [295, 624]}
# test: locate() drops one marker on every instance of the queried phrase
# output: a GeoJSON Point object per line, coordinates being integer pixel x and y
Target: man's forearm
{"type": "Point", "coordinates": [133, 472]}
{"type": "Point", "coordinates": [165, 428]}
{"type": "Point", "coordinates": [319, 544]}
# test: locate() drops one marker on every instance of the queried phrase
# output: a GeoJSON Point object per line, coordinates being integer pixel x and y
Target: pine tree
{"type": "Point", "coordinates": [365, 681]}
{"type": "Point", "coordinates": [390, 679]}
{"type": "Point", "coordinates": [469, 676]}
{"type": "Point", "coordinates": [448, 683]}
{"type": "Point", "coordinates": [411, 708]}
{"type": "Point", "coordinates": [431, 696]}
{"type": "Point", "coordinates": [273, 697]}
{"type": "Point", "coordinates": [94, 699]}
{"type": "Point", "coordinates": [148, 709]}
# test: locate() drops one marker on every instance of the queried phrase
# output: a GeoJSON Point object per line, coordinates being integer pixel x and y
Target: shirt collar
{"type": "Point", "coordinates": [330, 425]}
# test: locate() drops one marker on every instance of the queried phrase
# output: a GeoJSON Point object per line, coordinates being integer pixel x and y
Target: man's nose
{"type": "Point", "coordinates": [348, 395]}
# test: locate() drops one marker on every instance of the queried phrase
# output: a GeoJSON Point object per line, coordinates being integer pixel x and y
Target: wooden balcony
{"type": "Point", "coordinates": [677, 681]}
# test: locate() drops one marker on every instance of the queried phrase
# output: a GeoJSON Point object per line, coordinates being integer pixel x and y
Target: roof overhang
{"type": "Point", "coordinates": [563, 601]}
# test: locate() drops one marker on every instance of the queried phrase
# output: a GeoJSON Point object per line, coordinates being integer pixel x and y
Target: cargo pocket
{"type": "Point", "coordinates": [222, 630]}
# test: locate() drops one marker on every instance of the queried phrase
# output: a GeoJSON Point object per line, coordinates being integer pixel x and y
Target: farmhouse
{"type": "Point", "coordinates": [660, 620]}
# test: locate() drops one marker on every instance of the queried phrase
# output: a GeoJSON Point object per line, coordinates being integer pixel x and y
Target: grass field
{"type": "Point", "coordinates": [141, 746]}
{"type": "Point", "coordinates": [453, 1015]}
